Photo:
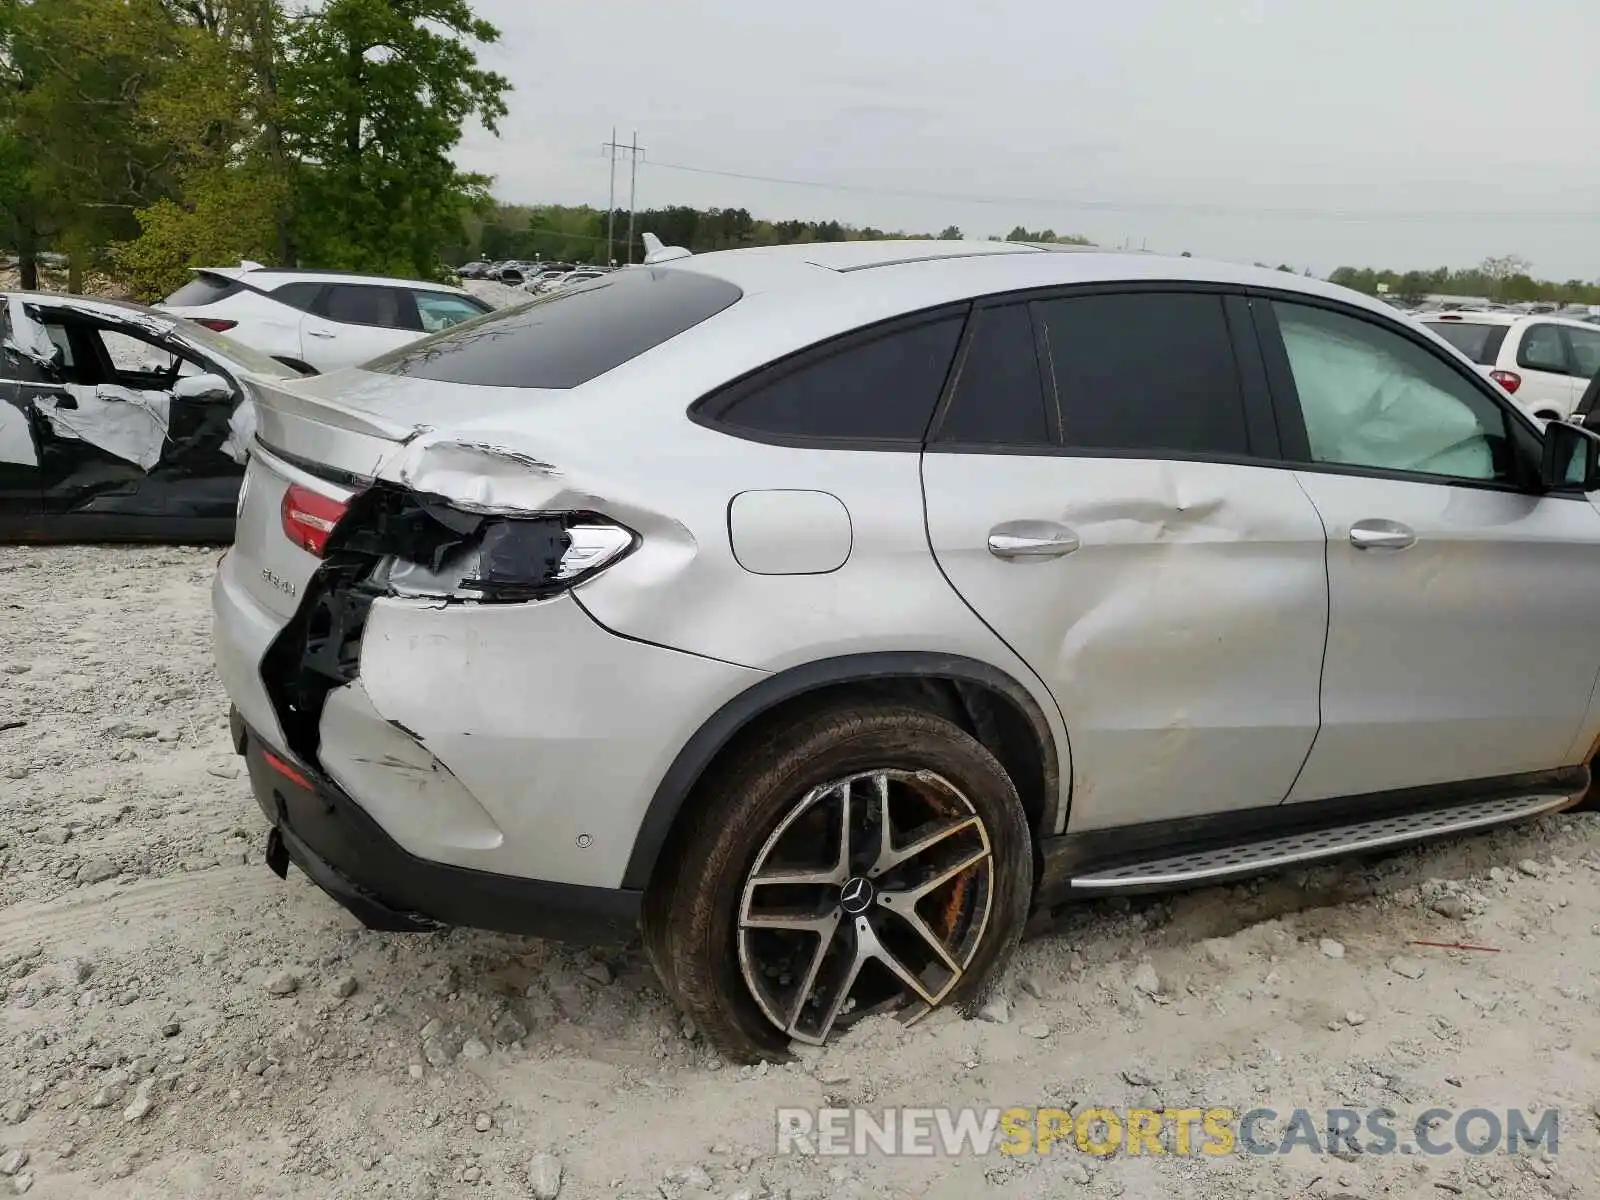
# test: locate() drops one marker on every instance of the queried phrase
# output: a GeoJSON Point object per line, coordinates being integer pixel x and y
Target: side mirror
{"type": "Point", "coordinates": [1571, 458]}
{"type": "Point", "coordinates": [202, 387]}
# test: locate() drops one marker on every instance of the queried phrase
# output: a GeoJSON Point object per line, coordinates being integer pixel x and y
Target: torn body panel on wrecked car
{"type": "Point", "coordinates": [103, 460]}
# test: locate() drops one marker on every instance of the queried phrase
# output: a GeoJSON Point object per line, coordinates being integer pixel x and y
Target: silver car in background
{"type": "Point", "coordinates": [825, 609]}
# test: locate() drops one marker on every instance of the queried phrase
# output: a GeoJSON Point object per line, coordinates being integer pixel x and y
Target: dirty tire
{"type": "Point", "coordinates": [691, 912]}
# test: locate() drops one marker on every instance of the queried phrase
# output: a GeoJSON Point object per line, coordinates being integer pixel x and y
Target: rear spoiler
{"type": "Point", "coordinates": [278, 396]}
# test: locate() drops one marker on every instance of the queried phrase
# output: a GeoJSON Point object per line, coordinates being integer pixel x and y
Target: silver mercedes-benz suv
{"type": "Point", "coordinates": [826, 609]}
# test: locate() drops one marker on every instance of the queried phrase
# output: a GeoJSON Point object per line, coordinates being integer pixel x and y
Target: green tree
{"type": "Point", "coordinates": [80, 72]}
{"type": "Point", "coordinates": [218, 114]}
{"type": "Point", "coordinates": [951, 233]}
{"type": "Point", "coordinates": [375, 93]}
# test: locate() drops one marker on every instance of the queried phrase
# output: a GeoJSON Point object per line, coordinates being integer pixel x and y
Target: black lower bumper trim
{"type": "Point", "coordinates": [348, 855]}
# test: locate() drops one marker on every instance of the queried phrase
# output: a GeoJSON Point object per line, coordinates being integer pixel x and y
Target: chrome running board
{"type": "Point", "coordinates": [1266, 854]}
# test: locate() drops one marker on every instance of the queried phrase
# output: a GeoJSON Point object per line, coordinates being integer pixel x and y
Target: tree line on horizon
{"type": "Point", "coordinates": [1505, 278]}
{"type": "Point", "coordinates": [579, 233]}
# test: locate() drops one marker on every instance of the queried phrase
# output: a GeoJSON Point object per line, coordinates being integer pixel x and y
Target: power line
{"type": "Point", "coordinates": [1142, 206]}
{"type": "Point", "coordinates": [634, 150]}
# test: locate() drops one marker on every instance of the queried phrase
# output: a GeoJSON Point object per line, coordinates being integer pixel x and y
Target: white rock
{"type": "Point", "coordinates": [282, 983]}
{"type": "Point", "coordinates": [1355, 1017]}
{"type": "Point", "coordinates": [1037, 1031]}
{"type": "Point", "coordinates": [483, 1124]}
{"type": "Point", "coordinates": [142, 1103]}
{"type": "Point", "coordinates": [13, 1161]}
{"type": "Point", "coordinates": [1408, 968]}
{"type": "Point", "coordinates": [1530, 868]}
{"type": "Point", "coordinates": [544, 1176]}
{"type": "Point", "coordinates": [1331, 948]}
{"type": "Point", "coordinates": [473, 1048]}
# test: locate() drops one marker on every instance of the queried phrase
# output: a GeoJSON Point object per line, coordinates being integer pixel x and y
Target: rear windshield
{"type": "Point", "coordinates": [1479, 342]}
{"type": "Point", "coordinates": [204, 289]}
{"type": "Point", "coordinates": [568, 337]}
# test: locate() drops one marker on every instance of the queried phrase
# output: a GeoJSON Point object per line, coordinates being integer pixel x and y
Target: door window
{"type": "Point", "coordinates": [1543, 350]}
{"type": "Point", "coordinates": [369, 304]}
{"type": "Point", "coordinates": [1144, 371]}
{"type": "Point", "coordinates": [1372, 398]}
{"type": "Point", "coordinates": [998, 398]}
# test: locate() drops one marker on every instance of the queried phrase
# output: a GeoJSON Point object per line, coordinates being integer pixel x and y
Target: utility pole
{"type": "Point", "coordinates": [610, 149]}
{"type": "Point", "coordinates": [633, 150]}
{"type": "Point", "coordinates": [633, 189]}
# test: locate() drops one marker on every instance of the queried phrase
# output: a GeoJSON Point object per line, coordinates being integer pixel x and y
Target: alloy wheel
{"type": "Point", "coordinates": [872, 894]}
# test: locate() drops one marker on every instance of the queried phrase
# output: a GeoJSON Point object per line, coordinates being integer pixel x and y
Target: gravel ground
{"type": "Point", "coordinates": [179, 1023]}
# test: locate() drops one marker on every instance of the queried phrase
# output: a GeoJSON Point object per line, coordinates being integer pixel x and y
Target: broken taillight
{"type": "Point", "coordinates": [215, 324]}
{"type": "Point", "coordinates": [1509, 380]}
{"type": "Point", "coordinates": [309, 518]}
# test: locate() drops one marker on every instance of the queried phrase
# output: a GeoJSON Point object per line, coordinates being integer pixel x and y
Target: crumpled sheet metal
{"type": "Point", "coordinates": [28, 337]}
{"type": "Point", "coordinates": [241, 431]}
{"type": "Point", "coordinates": [122, 421]}
{"type": "Point", "coordinates": [478, 476]}
{"type": "Point", "coordinates": [16, 439]}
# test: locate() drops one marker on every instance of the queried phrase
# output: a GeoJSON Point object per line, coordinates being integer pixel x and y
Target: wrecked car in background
{"type": "Point", "coordinates": [119, 423]}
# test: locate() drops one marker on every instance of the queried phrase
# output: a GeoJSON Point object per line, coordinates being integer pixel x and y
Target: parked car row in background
{"type": "Point", "coordinates": [536, 277]}
{"type": "Point", "coordinates": [1546, 362]}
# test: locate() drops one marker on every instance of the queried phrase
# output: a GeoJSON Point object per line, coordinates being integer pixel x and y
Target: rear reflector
{"type": "Point", "coordinates": [1509, 380]}
{"type": "Point", "coordinates": [216, 324]}
{"type": "Point", "coordinates": [284, 769]}
{"type": "Point", "coordinates": [309, 518]}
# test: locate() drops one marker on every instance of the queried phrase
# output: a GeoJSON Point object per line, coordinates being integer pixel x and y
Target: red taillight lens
{"type": "Point", "coordinates": [309, 518]}
{"type": "Point", "coordinates": [216, 324]}
{"type": "Point", "coordinates": [1509, 380]}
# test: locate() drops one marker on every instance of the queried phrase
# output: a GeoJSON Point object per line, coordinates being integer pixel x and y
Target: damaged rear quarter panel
{"type": "Point", "coordinates": [556, 728]}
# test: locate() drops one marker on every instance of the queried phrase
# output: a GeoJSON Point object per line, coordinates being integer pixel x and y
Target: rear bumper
{"type": "Point", "coordinates": [348, 855]}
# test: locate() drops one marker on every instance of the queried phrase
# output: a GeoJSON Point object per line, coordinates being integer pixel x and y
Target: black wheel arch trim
{"type": "Point", "coordinates": [698, 753]}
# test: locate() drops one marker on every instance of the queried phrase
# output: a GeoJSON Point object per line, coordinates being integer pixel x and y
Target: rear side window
{"type": "Point", "coordinates": [998, 398]}
{"type": "Point", "coordinates": [204, 289]}
{"type": "Point", "coordinates": [569, 337]}
{"type": "Point", "coordinates": [1150, 371]}
{"type": "Point", "coordinates": [1481, 343]}
{"type": "Point", "coordinates": [1585, 345]}
{"type": "Point", "coordinates": [298, 295]}
{"type": "Point", "coordinates": [878, 387]}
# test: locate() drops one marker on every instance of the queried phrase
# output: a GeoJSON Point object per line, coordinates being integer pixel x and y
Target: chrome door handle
{"type": "Point", "coordinates": [1381, 535]}
{"type": "Point", "coordinates": [322, 333]}
{"type": "Point", "coordinates": [1031, 539]}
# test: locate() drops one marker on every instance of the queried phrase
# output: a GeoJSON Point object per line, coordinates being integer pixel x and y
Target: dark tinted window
{"type": "Point", "coordinates": [204, 289]}
{"type": "Point", "coordinates": [998, 396]}
{"type": "Point", "coordinates": [1144, 371]}
{"type": "Point", "coordinates": [369, 304]}
{"type": "Point", "coordinates": [882, 387]}
{"type": "Point", "coordinates": [569, 337]}
{"type": "Point", "coordinates": [1481, 343]}
{"type": "Point", "coordinates": [298, 295]}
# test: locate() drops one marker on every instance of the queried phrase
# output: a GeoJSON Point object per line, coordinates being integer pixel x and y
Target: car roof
{"type": "Point", "coordinates": [103, 306]}
{"type": "Point", "coordinates": [897, 276]}
{"type": "Point", "coordinates": [270, 278]}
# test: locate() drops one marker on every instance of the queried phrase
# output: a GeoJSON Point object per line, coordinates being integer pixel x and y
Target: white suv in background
{"type": "Point", "coordinates": [1545, 362]}
{"type": "Point", "coordinates": [319, 321]}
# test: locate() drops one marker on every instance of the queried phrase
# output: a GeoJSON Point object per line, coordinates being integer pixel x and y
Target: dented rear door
{"type": "Point", "coordinates": [1098, 490]}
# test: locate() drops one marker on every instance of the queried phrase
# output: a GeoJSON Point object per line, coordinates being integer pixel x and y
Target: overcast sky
{"type": "Point", "coordinates": [1406, 133]}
